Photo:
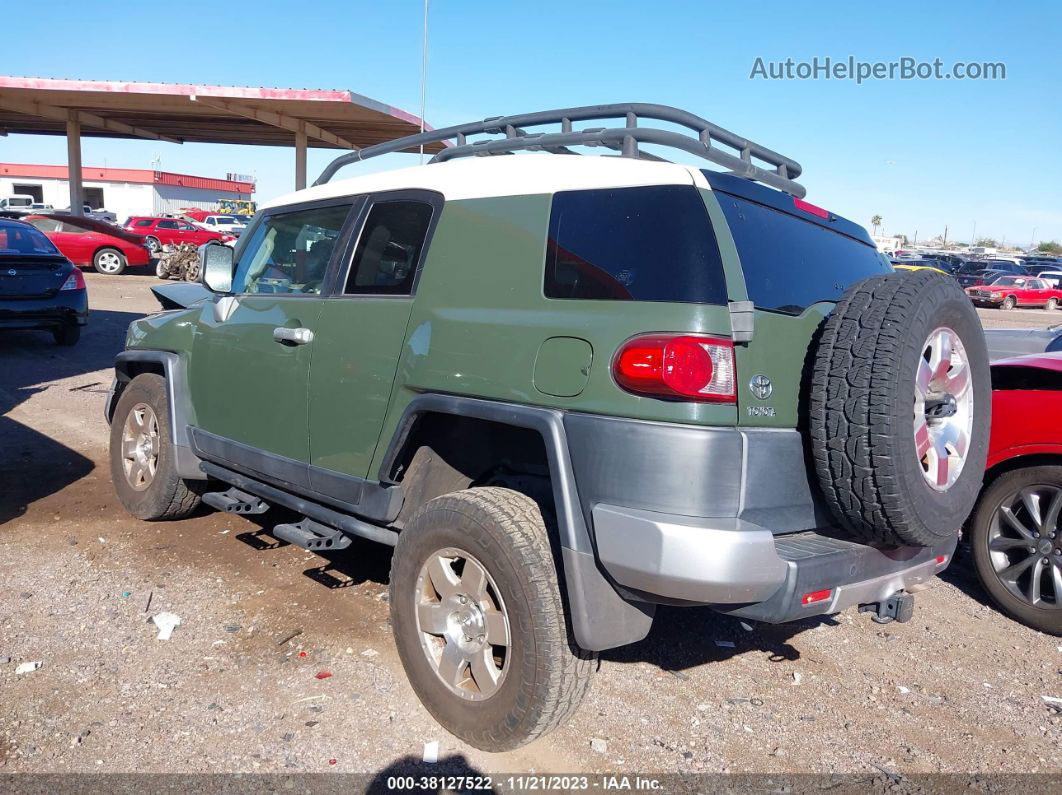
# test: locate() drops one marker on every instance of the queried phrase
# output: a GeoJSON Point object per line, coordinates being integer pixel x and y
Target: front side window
{"type": "Point", "coordinates": [167, 224]}
{"type": "Point", "coordinates": [651, 243]}
{"type": "Point", "coordinates": [290, 252]}
{"type": "Point", "coordinates": [389, 248]}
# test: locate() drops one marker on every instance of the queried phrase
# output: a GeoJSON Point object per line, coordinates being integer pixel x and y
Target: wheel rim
{"type": "Point", "coordinates": [1025, 545]}
{"type": "Point", "coordinates": [152, 244]}
{"type": "Point", "coordinates": [463, 624]}
{"type": "Point", "coordinates": [109, 262]}
{"type": "Point", "coordinates": [943, 408]}
{"type": "Point", "coordinates": [140, 446]}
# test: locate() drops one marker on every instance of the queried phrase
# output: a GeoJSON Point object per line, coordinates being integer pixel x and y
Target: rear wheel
{"type": "Point", "coordinates": [1016, 537]}
{"type": "Point", "coordinates": [153, 244]}
{"type": "Point", "coordinates": [110, 261]}
{"type": "Point", "coordinates": [67, 334]}
{"type": "Point", "coordinates": [479, 621]}
{"type": "Point", "coordinates": [143, 460]}
{"type": "Point", "coordinates": [1052, 304]}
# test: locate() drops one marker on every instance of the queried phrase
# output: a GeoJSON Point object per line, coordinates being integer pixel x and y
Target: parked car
{"type": "Point", "coordinates": [916, 265]}
{"type": "Point", "coordinates": [159, 231]}
{"type": "Point", "coordinates": [87, 241]}
{"type": "Point", "coordinates": [611, 426]}
{"type": "Point", "coordinates": [1006, 343]}
{"type": "Point", "coordinates": [39, 287]}
{"type": "Point", "coordinates": [96, 214]}
{"type": "Point", "coordinates": [1053, 276]}
{"type": "Point", "coordinates": [1015, 532]}
{"type": "Point", "coordinates": [978, 277]}
{"type": "Point", "coordinates": [1005, 265]}
{"type": "Point", "coordinates": [224, 224]}
{"type": "Point", "coordinates": [18, 202]}
{"type": "Point", "coordinates": [1007, 292]}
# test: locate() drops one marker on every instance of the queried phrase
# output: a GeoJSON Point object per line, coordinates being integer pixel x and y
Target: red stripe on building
{"type": "Point", "coordinates": [134, 175]}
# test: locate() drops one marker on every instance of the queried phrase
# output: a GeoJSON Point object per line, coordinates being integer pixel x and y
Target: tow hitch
{"type": "Point", "coordinates": [898, 607]}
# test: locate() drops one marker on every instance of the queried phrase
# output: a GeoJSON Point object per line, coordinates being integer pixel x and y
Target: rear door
{"type": "Point", "coordinates": [360, 336]}
{"type": "Point", "coordinates": [251, 355]}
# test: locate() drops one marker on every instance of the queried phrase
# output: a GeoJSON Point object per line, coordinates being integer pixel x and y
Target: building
{"type": "Point", "coordinates": [123, 191]}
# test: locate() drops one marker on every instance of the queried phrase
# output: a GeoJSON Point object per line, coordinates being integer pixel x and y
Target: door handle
{"type": "Point", "coordinates": [292, 336]}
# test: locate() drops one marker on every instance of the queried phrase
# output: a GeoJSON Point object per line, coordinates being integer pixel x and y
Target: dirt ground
{"type": "Point", "coordinates": [958, 689]}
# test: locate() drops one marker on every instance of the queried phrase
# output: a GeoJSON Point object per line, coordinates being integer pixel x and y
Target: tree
{"type": "Point", "coordinates": [875, 222]}
{"type": "Point", "coordinates": [1050, 247]}
{"type": "Point", "coordinates": [987, 242]}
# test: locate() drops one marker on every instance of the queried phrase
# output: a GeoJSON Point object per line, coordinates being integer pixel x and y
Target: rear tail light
{"type": "Point", "coordinates": [677, 365]}
{"type": "Point", "coordinates": [815, 596]}
{"type": "Point", "coordinates": [941, 560]}
{"type": "Point", "coordinates": [75, 281]}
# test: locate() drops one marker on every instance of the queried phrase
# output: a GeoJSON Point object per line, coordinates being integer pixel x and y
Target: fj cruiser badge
{"type": "Point", "coordinates": [760, 385]}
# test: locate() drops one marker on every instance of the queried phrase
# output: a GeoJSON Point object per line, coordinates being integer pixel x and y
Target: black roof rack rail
{"type": "Point", "coordinates": [780, 171]}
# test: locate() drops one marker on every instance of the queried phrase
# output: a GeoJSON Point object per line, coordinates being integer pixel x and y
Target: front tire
{"type": "Point", "coordinates": [1008, 303]}
{"type": "Point", "coordinates": [1052, 304]}
{"type": "Point", "coordinates": [143, 460]}
{"type": "Point", "coordinates": [1016, 537]}
{"type": "Point", "coordinates": [109, 261]}
{"type": "Point", "coordinates": [479, 621]}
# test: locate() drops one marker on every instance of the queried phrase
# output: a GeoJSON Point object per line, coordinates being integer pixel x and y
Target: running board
{"type": "Point", "coordinates": [235, 501]}
{"type": "Point", "coordinates": [311, 535]}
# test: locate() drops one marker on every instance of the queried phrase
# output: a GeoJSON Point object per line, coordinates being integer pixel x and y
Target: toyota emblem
{"type": "Point", "coordinates": [761, 386]}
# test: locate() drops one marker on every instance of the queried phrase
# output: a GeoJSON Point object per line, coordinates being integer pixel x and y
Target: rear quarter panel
{"type": "Point", "coordinates": [1024, 422]}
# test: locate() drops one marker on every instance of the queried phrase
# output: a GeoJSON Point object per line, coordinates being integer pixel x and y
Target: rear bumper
{"type": "Point", "coordinates": [745, 570]}
{"type": "Point", "coordinates": [29, 313]}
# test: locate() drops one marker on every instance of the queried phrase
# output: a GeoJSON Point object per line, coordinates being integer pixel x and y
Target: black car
{"type": "Point", "coordinates": [39, 287]}
{"type": "Point", "coordinates": [976, 278]}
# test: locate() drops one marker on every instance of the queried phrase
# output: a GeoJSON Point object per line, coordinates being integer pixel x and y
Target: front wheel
{"type": "Point", "coordinates": [109, 261]}
{"type": "Point", "coordinates": [1052, 304]}
{"type": "Point", "coordinates": [1016, 536]}
{"type": "Point", "coordinates": [143, 461]}
{"type": "Point", "coordinates": [1008, 303]}
{"type": "Point", "coordinates": [479, 621]}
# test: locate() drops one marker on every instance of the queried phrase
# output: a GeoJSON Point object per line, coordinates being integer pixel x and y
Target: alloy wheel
{"type": "Point", "coordinates": [1025, 545]}
{"type": "Point", "coordinates": [141, 446]}
{"type": "Point", "coordinates": [463, 624]}
{"type": "Point", "coordinates": [943, 408]}
{"type": "Point", "coordinates": [109, 262]}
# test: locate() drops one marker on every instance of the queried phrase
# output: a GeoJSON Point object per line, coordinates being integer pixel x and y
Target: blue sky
{"type": "Point", "coordinates": [923, 154]}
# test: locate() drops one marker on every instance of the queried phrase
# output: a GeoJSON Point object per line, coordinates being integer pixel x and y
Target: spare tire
{"type": "Point", "coordinates": [892, 476]}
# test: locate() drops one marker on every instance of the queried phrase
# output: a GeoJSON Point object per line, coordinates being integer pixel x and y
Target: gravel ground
{"type": "Point", "coordinates": [236, 687]}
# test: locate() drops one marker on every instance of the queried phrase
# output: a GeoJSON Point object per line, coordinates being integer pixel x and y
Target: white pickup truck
{"type": "Point", "coordinates": [19, 202]}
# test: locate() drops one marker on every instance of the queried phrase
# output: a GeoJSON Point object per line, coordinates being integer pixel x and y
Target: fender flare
{"type": "Point", "coordinates": [601, 618]}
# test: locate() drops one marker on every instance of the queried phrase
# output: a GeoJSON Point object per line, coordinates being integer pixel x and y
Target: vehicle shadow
{"type": "Point", "coordinates": [962, 574]}
{"type": "Point", "coordinates": [33, 465]}
{"type": "Point", "coordinates": [412, 769]}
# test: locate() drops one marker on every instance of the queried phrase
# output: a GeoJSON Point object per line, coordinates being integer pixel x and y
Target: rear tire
{"type": "Point", "coordinates": [1052, 304]}
{"type": "Point", "coordinates": [492, 543]}
{"type": "Point", "coordinates": [109, 261]}
{"type": "Point", "coordinates": [143, 460]}
{"type": "Point", "coordinates": [890, 476]}
{"type": "Point", "coordinates": [153, 244]}
{"type": "Point", "coordinates": [999, 555]}
{"type": "Point", "coordinates": [67, 335]}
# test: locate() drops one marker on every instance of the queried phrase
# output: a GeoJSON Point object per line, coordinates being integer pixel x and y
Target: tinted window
{"type": "Point", "coordinates": [790, 263]}
{"type": "Point", "coordinates": [167, 224]}
{"type": "Point", "coordinates": [290, 252]}
{"type": "Point", "coordinates": [633, 244]}
{"type": "Point", "coordinates": [144, 222]}
{"type": "Point", "coordinates": [24, 239]}
{"type": "Point", "coordinates": [389, 247]}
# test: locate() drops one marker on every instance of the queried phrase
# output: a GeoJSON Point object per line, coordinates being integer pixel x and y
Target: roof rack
{"type": "Point", "coordinates": [779, 171]}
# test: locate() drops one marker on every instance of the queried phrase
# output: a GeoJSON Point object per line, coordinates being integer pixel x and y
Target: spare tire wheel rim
{"type": "Point", "coordinates": [1025, 545]}
{"type": "Point", "coordinates": [943, 408]}
{"type": "Point", "coordinates": [140, 446]}
{"type": "Point", "coordinates": [462, 624]}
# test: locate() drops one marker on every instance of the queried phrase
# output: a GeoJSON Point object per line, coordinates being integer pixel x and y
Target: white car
{"type": "Point", "coordinates": [17, 201]}
{"type": "Point", "coordinates": [226, 224]}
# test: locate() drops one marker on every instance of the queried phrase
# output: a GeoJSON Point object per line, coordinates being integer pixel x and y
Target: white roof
{"type": "Point", "coordinates": [508, 175]}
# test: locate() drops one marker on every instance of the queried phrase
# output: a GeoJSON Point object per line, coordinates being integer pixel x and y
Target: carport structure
{"type": "Point", "coordinates": [179, 113]}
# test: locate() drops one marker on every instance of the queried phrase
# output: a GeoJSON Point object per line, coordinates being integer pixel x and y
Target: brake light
{"type": "Point", "coordinates": [75, 281]}
{"type": "Point", "coordinates": [677, 365]}
{"type": "Point", "coordinates": [807, 207]}
{"type": "Point", "coordinates": [815, 596]}
{"type": "Point", "coordinates": [941, 559]}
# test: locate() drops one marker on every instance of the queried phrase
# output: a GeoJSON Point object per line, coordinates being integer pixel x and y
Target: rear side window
{"type": "Point", "coordinates": [790, 263]}
{"type": "Point", "coordinates": [633, 244]}
{"type": "Point", "coordinates": [389, 248]}
{"type": "Point", "coordinates": [144, 222]}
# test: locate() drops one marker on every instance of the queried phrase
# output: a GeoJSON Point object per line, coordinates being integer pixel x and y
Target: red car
{"type": "Point", "coordinates": [158, 232]}
{"type": "Point", "coordinates": [86, 241]}
{"type": "Point", "coordinates": [1007, 292]}
{"type": "Point", "coordinates": [1015, 530]}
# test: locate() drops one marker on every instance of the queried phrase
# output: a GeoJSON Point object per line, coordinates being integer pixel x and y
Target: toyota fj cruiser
{"type": "Point", "coordinates": [567, 390]}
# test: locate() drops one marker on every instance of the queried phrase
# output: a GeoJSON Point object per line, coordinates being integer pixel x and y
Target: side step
{"type": "Point", "coordinates": [235, 501]}
{"type": "Point", "coordinates": [311, 535]}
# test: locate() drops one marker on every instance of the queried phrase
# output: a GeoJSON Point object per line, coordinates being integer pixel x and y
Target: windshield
{"type": "Point", "coordinates": [24, 240]}
{"type": "Point", "coordinates": [226, 219]}
{"type": "Point", "coordinates": [1010, 281]}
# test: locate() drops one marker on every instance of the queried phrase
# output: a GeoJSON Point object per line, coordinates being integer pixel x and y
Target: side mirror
{"type": "Point", "coordinates": [216, 273]}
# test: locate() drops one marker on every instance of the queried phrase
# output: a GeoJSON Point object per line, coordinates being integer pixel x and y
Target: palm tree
{"type": "Point", "coordinates": [875, 222]}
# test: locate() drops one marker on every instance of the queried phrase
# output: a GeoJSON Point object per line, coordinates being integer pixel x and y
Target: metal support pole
{"type": "Point", "coordinates": [300, 158]}
{"type": "Point", "coordinates": [73, 165]}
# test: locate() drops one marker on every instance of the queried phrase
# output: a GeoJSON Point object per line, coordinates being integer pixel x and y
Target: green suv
{"type": "Point", "coordinates": [567, 389]}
